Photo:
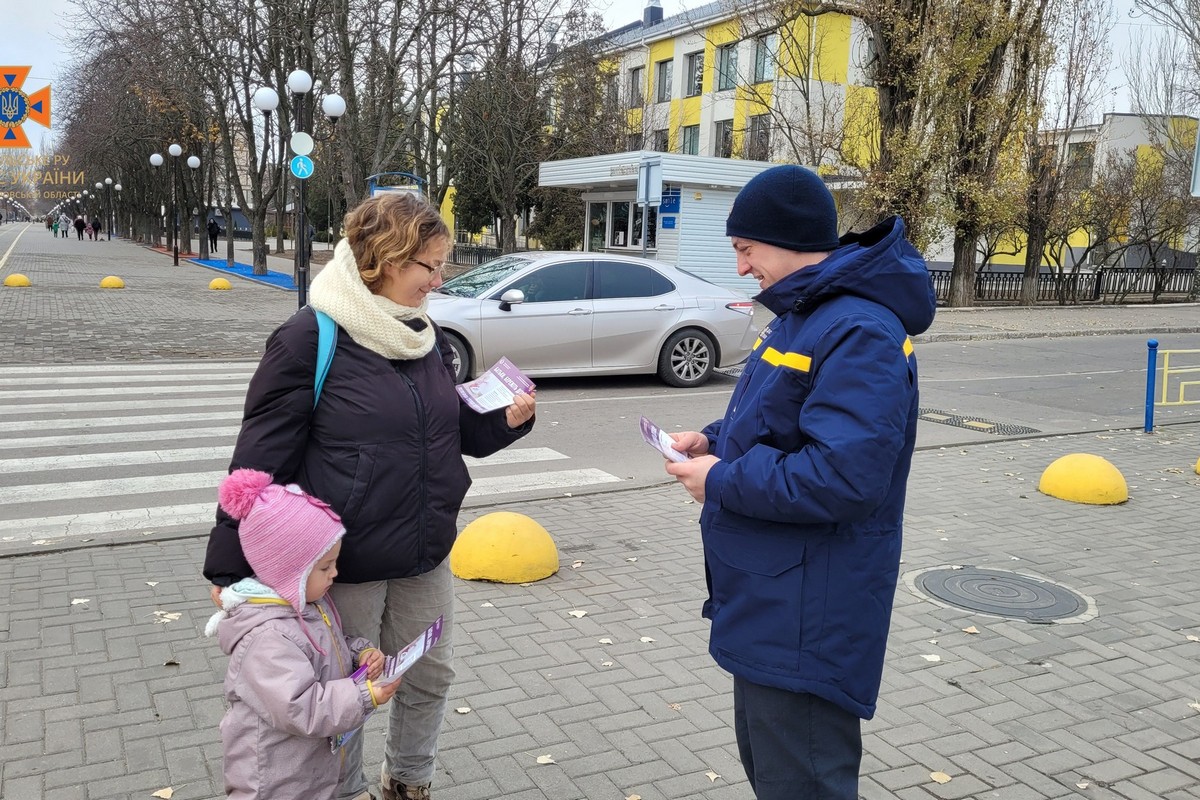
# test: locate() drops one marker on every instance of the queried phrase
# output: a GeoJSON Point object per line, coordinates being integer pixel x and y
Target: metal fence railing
{"type": "Point", "coordinates": [472, 255]}
{"type": "Point", "coordinates": [1074, 287]}
{"type": "Point", "coordinates": [1180, 381]}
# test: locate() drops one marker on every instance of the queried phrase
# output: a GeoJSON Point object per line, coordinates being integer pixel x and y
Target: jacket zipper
{"type": "Point", "coordinates": [412, 387]}
{"type": "Point", "coordinates": [337, 652]}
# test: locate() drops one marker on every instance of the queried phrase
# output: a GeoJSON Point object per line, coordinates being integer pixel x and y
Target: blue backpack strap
{"type": "Point", "coordinates": [326, 344]}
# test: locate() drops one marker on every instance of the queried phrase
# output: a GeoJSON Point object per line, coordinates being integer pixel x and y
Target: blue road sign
{"type": "Point", "coordinates": [302, 167]}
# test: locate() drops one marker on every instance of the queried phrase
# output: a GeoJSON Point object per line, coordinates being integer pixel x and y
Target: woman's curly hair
{"type": "Point", "coordinates": [391, 227]}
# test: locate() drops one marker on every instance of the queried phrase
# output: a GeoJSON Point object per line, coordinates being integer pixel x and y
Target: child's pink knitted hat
{"type": "Point", "coordinates": [284, 531]}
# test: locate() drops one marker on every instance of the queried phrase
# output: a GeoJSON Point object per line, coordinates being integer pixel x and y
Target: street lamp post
{"type": "Point", "coordinates": [156, 161]}
{"type": "Point", "coordinates": [300, 83]}
{"type": "Point", "coordinates": [194, 163]}
{"type": "Point", "coordinates": [116, 188]}
{"type": "Point", "coordinates": [176, 151]}
{"type": "Point", "coordinates": [265, 100]}
{"type": "Point", "coordinates": [108, 192]}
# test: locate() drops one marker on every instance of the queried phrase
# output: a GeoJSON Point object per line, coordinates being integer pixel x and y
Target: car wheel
{"type": "Point", "coordinates": [462, 357]}
{"type": "Point", "coordinates": [687, 359]}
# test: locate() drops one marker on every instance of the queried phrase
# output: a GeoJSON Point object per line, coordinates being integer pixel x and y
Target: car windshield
{"type": "Point", "coordinates": [478, 281]}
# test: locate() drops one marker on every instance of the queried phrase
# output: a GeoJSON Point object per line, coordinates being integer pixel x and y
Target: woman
{"type": "Point", "coordinates": [384, 448]}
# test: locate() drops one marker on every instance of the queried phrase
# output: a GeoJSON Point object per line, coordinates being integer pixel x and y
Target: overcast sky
{"type": "Point", "coordinates": [35, 35]}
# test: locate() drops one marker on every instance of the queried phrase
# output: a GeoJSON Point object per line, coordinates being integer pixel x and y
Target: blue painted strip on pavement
{"type": "Point", "coordinates": [279, 279]}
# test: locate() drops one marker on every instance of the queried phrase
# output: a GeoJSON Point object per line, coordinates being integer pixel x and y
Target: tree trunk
{"type": "Point", "coordinates": [962, 276]}
{"type": "Point", "coordinates": [508, 233]}
{"type": "Point", "coordinates": [1035, 244]}
{"type": "Point", "coordinates": [258, 239]}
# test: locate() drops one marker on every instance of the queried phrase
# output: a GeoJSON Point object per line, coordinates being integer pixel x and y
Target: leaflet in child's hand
{"type": "Point", "coordinates": [495, 388]}
{"type": "Point", "coordinates": [397, 665]}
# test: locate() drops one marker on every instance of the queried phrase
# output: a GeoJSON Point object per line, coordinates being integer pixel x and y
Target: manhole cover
{"type": "Point", "coordinates": [1002, 594]}
{"type": "Point", "coordinates": [974, 423]}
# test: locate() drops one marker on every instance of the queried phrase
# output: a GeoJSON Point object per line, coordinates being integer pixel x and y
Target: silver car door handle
{"type": "Point", "coordinates": [664, 307]}
{"type": "Point", "coordinates": [578, 312]}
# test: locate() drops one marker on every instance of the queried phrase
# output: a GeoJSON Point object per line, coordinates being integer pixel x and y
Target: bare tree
{"type": "Point", "coordinates": [1066, 91]}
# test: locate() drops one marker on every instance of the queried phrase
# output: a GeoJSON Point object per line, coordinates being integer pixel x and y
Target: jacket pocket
{"type": "Point", "coordinates": [364, 473]}
{"type": "Point", "coordinates": [757, 596]}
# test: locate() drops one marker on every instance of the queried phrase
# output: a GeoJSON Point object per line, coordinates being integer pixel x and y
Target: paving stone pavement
{"type": "Point", "coordinates": [101, 699]}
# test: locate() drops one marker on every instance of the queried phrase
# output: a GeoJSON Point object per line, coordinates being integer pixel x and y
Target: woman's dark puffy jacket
{"type": "Point", "coordinates": [383, 447]}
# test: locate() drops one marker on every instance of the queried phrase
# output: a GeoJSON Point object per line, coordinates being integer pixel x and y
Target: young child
{"type": "Point", "coordinates": [289, 682]}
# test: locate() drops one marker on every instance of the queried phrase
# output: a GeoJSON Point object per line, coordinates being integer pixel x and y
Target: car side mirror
{"type": "Point", "coordinates": [510, 298]}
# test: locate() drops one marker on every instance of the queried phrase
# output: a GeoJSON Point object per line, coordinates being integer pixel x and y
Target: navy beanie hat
{"type": "Point", "coordinates": [787, 206]}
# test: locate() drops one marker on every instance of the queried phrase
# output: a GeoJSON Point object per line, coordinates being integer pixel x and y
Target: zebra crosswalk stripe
{"type": "Point", "coordinates": [136, 448]}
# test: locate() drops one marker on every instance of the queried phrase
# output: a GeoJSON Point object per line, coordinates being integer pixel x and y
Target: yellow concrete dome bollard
{"type": "Point", "coordinates": [112, 282]}
{"type": "Point", "coordinates": [219, 283]}
{"type": "Point", "coordinates": [17, 280]}
{"type": "Point", "coordinates": [506, 548]}
{"type": "Point", "coordinates": [1198, 466]}
{"type": "Point", "coordinates": [1084, 478]}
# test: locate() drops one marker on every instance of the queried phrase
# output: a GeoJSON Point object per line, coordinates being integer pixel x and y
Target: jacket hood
{"type": "Point", "coordinates": [879, 265]}
{"type": "Point", "coordinates": [248, 604]}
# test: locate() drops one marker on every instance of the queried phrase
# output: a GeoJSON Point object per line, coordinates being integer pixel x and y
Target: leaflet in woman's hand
{"type": "Point", "coordinates": [661, 441]}
{"type": "Point", "coordinates": [397, 665]}
{"type": "Point", "coordinates": [495, 388]}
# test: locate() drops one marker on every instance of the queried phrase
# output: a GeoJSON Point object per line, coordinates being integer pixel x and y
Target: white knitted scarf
{"type": "Point", "coordinates": [373, 321]}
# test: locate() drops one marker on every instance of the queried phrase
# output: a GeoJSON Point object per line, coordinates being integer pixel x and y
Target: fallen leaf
{"type": "Point", "coordinates": [164, 794]}
{"type": "Point", "coordinates": [163, 617]}
{"type": "Point", "coordinates": [39, 541]}
{"type": "Point", "coordinates": [933, 641]}
{"type": "Point", "coordinates": [712, 776]}
{"type": "Point", "coordinates": [1194, 706]}
{"type": "Point", "coordinates": [631, 560]}
{"type": "Point", "coordinates": [463, 709]}
{"type": "Point", "coordinates": [604, 641]}
{"type": "Point", "coordinates": [646, 640]}
{"type": "Point", "coordinates": [932, 657]}
{"type": "Point", "coordinates": [576, 564]}
{"type": "Point", "coordinates": [675, 706]}
{"type": "Point", "coordinates": [487, 605]}
{"type": "Point", "coordinates": [634, 797]}
{"type": "Point", "coordinates": [152, 583]}
{"type": "Point", "coordinates": [546, 759]}
{"type": "Point", "coordinates": [971, 629]}
{"type": "Point", "coordinates": [171, 663]}
{"type": "Point", "coordinates": [567, 494]}
{"type": "Point", "coordinates": [78, 601]}
{"type": "Point", "coordinates": [577, 614]}
{"type": "Point", "coordinates": [1192, 638]}
{"type": "Point", "coordinates": [606, 663]}
{"type": "Point", "coordinates": [939, 777]}
{"type": "Point", "coordinates": [1082, 785]}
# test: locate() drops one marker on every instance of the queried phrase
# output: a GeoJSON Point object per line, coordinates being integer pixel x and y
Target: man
{"type": "Point", "coordinates": [214, 230]}
{"type": "Point", "coordinates": [803, 483]}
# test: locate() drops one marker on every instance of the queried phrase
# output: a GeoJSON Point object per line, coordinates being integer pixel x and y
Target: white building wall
{"type": "Point", "coordinates": [704, 247]}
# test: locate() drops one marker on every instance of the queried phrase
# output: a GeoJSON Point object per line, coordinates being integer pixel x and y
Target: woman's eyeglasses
{"type": "Point", "coordinates": [438, 270]}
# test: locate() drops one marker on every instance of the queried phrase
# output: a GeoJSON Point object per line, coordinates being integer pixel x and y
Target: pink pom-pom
{"type": "Point", "coordinates": [238, 493]}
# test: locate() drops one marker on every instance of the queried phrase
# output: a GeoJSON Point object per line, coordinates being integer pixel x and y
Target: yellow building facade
{"type": "Point", "coordinates": [746, 82]}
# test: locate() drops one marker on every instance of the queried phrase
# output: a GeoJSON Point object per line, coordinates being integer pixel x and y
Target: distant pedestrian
{"type": "Point", "coordinates": [79, 226]}
{"type": "Point", "coordinates": [290, 682]}
{"type": "Point", "coordinates": [803, 482]}
{"type": "Point", "coordinates": [64, 225]}
{"type": "Point", "coordinates": [54, 228]}
{"type": "Point", "coordinates": [214, 230]}
{"type": "Point", "coordinates": [97, 226]}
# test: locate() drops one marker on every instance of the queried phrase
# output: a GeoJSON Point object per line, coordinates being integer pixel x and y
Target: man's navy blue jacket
{"type": "Point", "coordinates": [803, 513]}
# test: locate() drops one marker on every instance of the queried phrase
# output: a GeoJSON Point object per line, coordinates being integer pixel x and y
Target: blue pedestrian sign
{"type": "Point", "coordinates": [302, 167]}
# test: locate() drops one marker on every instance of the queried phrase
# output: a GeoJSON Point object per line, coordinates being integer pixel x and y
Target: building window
{"type": "Point", "coordinates": [1081, 158]}
{"type": "Point", "coordinates": [636, 141]}
{"type": "Point", "coordinates": [637, 83]}
{"type": "Point", "coordinates": [693, 74]}
{"type": "Point", "coordinates": [662, 80]}
{"type": "Point", "coordinates": [691, 140]}
{"type": "Point", "coordinates": [766, 50]}
{"type": "Point", "coordinates": [723, 139]}
{"type": "Point", "coordinates": [618, 225]}
{"type": "Point", "coordinates": [726, 66]}
{"type": "Point", "coordinates": [758, 142]}
{"type": "Point", "coordinates": [661, 140]}
{"type": "Point", "coordinates": [597, 226]}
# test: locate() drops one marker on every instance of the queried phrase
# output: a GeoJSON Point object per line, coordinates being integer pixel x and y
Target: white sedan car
{"type": "Point", "coordinates": [592, 314]}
